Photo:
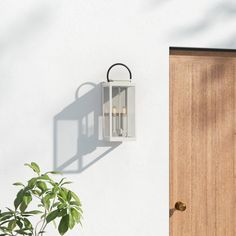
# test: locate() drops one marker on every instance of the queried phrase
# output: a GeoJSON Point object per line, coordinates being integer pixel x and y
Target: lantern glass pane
{"type": "Point", "coordinates": [115, 111]}
{"type": "Point", "coordinates": [106, 112]}
{"type": "Point", "coordinates": [123, 111]}
{"type": "Point", "coordinates": [131, 111]}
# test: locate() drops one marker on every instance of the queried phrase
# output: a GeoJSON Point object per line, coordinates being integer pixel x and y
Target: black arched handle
{"type": "Point", "coordinates": [118, 64]}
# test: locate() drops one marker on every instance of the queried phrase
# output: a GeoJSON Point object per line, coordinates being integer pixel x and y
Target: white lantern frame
{"type": "Point", "coordinates": [118, 109]}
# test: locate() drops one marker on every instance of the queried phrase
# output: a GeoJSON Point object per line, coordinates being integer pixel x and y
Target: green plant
{"type": "Point", "coordinates": [55, 203]}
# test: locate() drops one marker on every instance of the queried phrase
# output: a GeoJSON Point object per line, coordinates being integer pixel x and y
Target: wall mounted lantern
{"type": "Point", "coordinates": [118, 102]}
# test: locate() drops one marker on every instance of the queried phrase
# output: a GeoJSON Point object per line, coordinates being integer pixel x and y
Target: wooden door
{"type": "Point", "coordinates": [202, 142]}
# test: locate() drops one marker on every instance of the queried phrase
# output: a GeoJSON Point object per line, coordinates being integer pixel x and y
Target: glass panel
{"type": "Point", "coordinates": [115, 111]}
{"type": "Point", "coordinates": [106, 113]}
{"type": "Point", "coordinates": [131, 111]}
{"type": "Point", "coordinates": [120, 112]}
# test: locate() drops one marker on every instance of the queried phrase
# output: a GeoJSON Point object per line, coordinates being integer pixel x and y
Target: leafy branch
{"type": "Point", "coordinates": [55, 203]}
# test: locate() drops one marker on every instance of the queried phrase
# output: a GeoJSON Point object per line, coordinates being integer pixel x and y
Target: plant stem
{"type": "Point", "coordinates": [35, 230]}
{"type": "Point", "coordinates": [43, 227]}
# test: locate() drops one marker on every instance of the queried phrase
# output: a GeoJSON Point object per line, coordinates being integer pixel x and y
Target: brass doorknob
{"type": "Point", "coordinates": [180, 206]}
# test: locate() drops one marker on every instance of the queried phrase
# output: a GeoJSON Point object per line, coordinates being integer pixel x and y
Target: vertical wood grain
{"type": "Point", "coordinates": [211, 151]}
{"type": "Point", "coordinates": [202, 145]}
{"type": "Point", "coordinates": [199, 150]}
{"type": "Point", "coordinates": [180, 146]}
{"type": "Point", "coordinates": [225, 150]}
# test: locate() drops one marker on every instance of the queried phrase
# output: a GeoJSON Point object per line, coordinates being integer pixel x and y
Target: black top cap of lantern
{"type": "Point", "coordinates": [118, 64]}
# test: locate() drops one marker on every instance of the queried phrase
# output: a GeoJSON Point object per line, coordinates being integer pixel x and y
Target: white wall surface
{"type": "Point", "coordinates": [48, 48]}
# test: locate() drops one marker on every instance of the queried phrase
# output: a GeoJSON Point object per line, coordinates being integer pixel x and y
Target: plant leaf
{"type": "Point", "coordinates": [46, 200]}
{"type": "Point", "coordinates": [11, 225]}
{"type": "Point", "coordinates": [19, 223]}
{"type": "Point", "coordinates": [19, 198]}
{"type": "Point", "coordinates": [35, 212]}
{"type": "Point", "coordinates": [35, 167]}
{"type": "Point", "coordinates": [27, 198]}
{"type": "Point", "coordinates": [37, 192]}
{"type": "Point", "coordinates": [5, 221]}
{"type": "Point", "coordinates": [26, 164]}
{"type": "Point", "coordinates": [68, 182]}
{"type": "Point", "coordinates": [3, 214]}
{"type": "Point", "coordinates": [10, 210]}
{"type": "Point", "coordinates": [61, 206]}
{"type": "Point", "coordinates": [19, 184]}
{"type": "Point", "coordinates": [52, 215]}
{"type": "Point", "coordinates": [69, 196]}
{"type": "Point", "coordinates": [75, 203]}
{"type": "Point", "coordinates": [45, 177]}
{"type": "Point", "coordinates": [62, 212]}
{"type": "Point", "coordinates": [76, 198]}
{"type": "Point", "coordinates": [76, 215]}
{"type": "Point", "coordinates": [63, 194]}
{"type": "Point", "coordinates": [27, 223]}
{"type": "Point", "coordinates": [24, 232]}
{"type": "Point", "coordinates": [31, 183]}
{"type": "Point", "coordinates": [54, 172]}
{"type": "Point", "coordinates": [42, 186]}
{"type": "Point", "coordinates": [71, 221]}
{"type": "Point", "coordinates": [63, 225]}
{"type": "Point", "coordinates": [61, 180]}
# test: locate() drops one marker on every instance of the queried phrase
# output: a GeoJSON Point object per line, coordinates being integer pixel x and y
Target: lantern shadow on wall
{"type": "Point", "coordinates": [77, 133]}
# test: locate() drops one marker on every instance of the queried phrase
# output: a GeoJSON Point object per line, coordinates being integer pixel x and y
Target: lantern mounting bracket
{"type": "Point", "coordinates": [118, 64]}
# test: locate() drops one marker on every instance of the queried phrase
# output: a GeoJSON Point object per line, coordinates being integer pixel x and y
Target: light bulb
{"type": "Point", "coordinates": [114, 110]}
{"type": "Point", "coordinates": [124, 110]}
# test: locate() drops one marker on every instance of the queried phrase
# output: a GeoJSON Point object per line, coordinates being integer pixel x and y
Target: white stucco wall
{"type": "Point", "coordinates": [48, 48]}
